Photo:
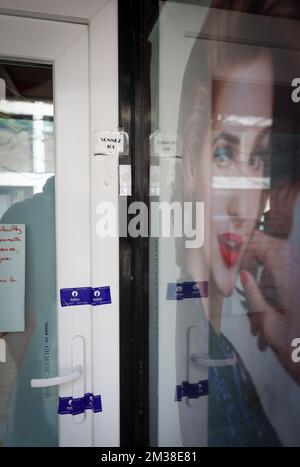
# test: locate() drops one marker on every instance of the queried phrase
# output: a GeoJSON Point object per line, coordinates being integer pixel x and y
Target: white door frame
{"type": "Point", "coordinates": [85, 68]}
{"type": "Point", "coordinates": [105, 251]}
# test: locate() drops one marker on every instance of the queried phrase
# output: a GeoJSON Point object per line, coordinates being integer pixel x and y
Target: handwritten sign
{"type": "Point", "coordinates": [12, 277]}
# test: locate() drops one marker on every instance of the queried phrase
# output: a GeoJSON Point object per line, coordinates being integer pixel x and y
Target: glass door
{"type": "Point", "coordinates": [45, 261]}
{"type": "Point", "coordinates": [224, 175]}
{"type": "Point", "coordinates": [28, 289]}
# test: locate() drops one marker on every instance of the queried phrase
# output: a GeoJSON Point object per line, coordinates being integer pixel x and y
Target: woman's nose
{"type": "Point", "coordinates": [238, 207]}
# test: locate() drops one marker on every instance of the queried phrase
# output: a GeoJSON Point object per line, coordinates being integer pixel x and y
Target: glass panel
{"type": "Point", "coordinates": [28, 417]}
{"type": "Point", "coordinates": [225, 162]}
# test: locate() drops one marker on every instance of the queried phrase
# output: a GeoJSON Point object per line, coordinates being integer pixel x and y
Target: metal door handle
{"type": "Point", "coordinates": [204, 360]}
{"type": "Point", "coordinates": [58, 380]}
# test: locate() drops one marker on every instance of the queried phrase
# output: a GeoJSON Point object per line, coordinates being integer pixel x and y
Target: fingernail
{"type": "Point", "coordinates": [244, 278]}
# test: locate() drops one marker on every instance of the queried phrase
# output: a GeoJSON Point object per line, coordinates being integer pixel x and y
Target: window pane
{"type": "Point", "coordinates": [225, 175]}
{"type": "Point", "coordinates": [28, 417]}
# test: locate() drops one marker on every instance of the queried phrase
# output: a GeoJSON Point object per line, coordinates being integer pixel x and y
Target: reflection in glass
{"type": "Point", "coordinates": [29, 417]}
{"type": "Point", "coordinates": [230, 104]}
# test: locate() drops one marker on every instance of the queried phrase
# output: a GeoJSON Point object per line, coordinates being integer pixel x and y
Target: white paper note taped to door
{"type": "Point", "coordinates": [109, 143]}
{"type": "Point", "coordinates": [12, 277]}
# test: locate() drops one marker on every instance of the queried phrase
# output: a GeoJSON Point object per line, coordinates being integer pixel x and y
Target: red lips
{"type": "Point", "coordinates": [230, 245]}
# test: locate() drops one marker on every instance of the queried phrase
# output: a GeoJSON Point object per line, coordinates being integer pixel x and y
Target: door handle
{"type": "Point", "coordinates": [58, 380]}
{"type": "Point", "coordinates": [76, 374]}
{"type": "Point", "coordinates": [204, 360]}
{"type": "Point", "coordinates": [199, 361]}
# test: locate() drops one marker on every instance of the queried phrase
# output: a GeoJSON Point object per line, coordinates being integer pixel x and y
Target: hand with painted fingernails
{"type": "Point", "coordinates": [276, 321]}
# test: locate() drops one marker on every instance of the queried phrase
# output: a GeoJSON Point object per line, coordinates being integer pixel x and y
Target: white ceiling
{"type": "Point", "coordinates": [72, 10]}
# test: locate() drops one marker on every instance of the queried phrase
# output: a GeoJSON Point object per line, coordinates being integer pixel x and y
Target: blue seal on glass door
{"type": "Point", "coordinates": [77, 296]}
{"type": "Point", "coordinates": [100, 295]}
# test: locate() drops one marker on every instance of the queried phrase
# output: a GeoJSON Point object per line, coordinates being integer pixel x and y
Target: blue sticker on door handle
{"type": "Point", "coordinates": [76, 406]}
{"type": "Point", "coordinates": [85, 296]}
{"type": "Point", "coordinates": [191, 390]}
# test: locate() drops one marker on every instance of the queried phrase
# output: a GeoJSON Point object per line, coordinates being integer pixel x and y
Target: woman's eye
{"type": "Point", "coordinates": [223, 156]}
{"type": "Point", "coordinates": [256, 162]}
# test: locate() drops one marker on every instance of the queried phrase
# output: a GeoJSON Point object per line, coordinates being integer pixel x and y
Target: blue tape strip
{"type": "Point", "coordinates": [75, 406]}
{"type": "Point", "coordinates": [85, 296]}
{"type": "Point", "coordinates": [191, 390]}
{"type": "Point", "coordinates": [182, 290]}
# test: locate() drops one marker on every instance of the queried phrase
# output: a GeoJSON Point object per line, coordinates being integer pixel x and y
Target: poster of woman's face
{"type": "Point", "coordinates": [235, 151]}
